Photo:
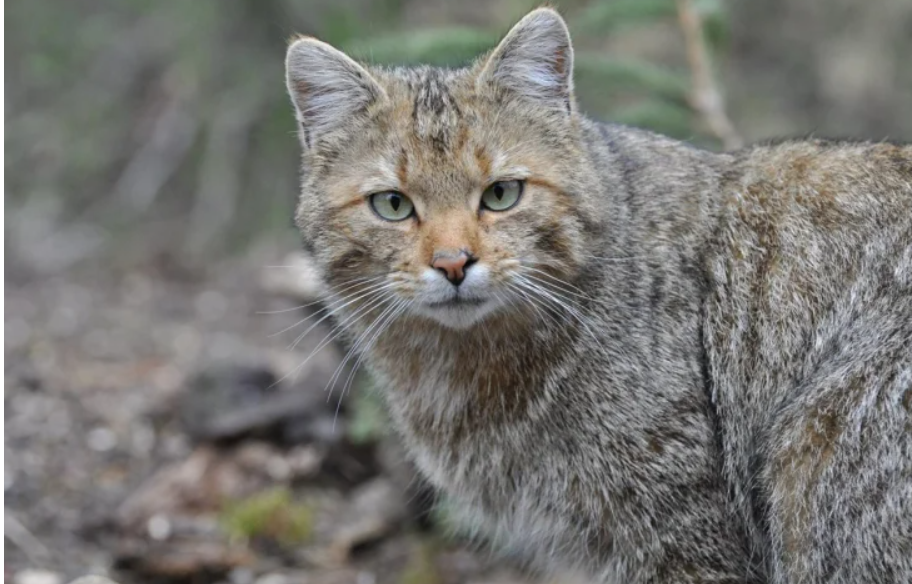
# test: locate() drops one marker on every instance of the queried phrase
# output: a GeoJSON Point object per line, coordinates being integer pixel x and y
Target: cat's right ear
{"type": "Point", "coordinates": [327, 87]}
{"type": "Point", "coordinates": [535, 60]}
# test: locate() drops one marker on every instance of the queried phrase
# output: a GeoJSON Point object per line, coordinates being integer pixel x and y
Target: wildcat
{"type": "Point", "coordinates": [621, 354]}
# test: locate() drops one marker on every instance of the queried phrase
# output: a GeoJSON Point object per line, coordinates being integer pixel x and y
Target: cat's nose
{"type": "Point", "coordinates": [453, 265]}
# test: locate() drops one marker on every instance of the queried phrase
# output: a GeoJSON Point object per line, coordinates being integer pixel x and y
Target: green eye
{"type": "Point", "coordinates": [392, 206]}
{"type": "Point", "coordinates": [502, 195]}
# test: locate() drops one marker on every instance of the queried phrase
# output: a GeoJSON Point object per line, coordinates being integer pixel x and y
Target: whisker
{"type": "Point", "coordinates": [333, 310]}
{"type": "Point", "coordinates": [564, 297]}
{"type": "Point", "coordinates": [355, 346]}
{"type": "Point", "coordinates": [557, 282]}
{"type": "Point", "coordinates": [552, 288]}
{"type": "Point", "coordinates": [284, 310]}
{"type": "Point", "coordinates": [542, 309]}
{"type": "Point", "coordinates": [349, 284]}
{"type": "Point", "coordinates": [331, 336]}
{"type": "Point", "coordinates": [567, 304]}
{"type": "Point", "coordinates": [327, 309]}
{"type": "Point", "coordinates": [299, 323]}
{"type": "Point", "coordinates": [615, 259]}
{"type": "Point", "coordinates": [582, 320]}
{"type": "Point", "coordinates": [388, 315]}
{"type": "Point", "coordinates": [329, 306]}
{"type": "Point", "coordinates": [403, 304]}
{"type": "Point", "coordinates": [552, 295]}
{"type": "Point", "coordinates": [484, 328]}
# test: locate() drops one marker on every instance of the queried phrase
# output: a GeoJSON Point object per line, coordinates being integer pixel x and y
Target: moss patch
{"type": "Point", "coordinates": [272, 514]}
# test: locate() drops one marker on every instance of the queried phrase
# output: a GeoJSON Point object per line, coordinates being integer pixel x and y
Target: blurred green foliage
{"type": "Point", "coordinates": [368, 420]}
{"type": "Point", "coordinates": [624, 90]}
{"type": "Point", "coordinates": [420, 568]}
{"type": "Point", "coordinates": [165, 124]}
{"type": "Point", "coordinates": [271, 514]}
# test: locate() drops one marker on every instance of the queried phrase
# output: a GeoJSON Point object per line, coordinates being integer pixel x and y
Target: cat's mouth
{"type": "Point", "coordinates": [458, 311]}
{"type": "Point", "coordinates": [457, 301]}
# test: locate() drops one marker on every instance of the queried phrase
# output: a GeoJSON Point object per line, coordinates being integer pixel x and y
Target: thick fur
{"type": "Point", "coordinates": [715, 384]}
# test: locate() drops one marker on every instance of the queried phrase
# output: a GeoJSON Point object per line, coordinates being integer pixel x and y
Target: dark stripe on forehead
{"type": "Point", "coordinates": [435, 114]}
{"type": "Point", "coordinates": [402, 168]}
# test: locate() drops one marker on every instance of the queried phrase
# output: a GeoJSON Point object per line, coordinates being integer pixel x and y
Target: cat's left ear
{"type": "Point", "coordinates": [535, 60]}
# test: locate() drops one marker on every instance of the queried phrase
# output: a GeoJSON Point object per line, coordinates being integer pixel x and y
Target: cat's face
{"type": "Point", "coordinates": [449, 195]}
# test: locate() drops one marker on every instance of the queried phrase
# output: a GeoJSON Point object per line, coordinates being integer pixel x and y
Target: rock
{"type": "Point", "coordinates": [37, 577]}
{"type": "Point", "coordinates": [377, 509]}
{"type": "Point", "coordinates": [159, 527]}
{"type": "Point", "coordinates": [304, 461]}
{"type": "Point", "coordinates": [241, 576]}
{"type": "Point", "coordinates": [273, 578]}
{"type": "Point", "coordinates": [336, 576]}
{"type": "Point", "coordinates": [101, 439]}
{"type": "Point", "coordinates": [93, 579]}
{"type": "Point", "coordinates": [280, 465]}
{"type": "Point", "coordinates": [216, 394]}
{"type": "Point", "coordinates": [194, 560]}
{"type": "Point", "coordinates": [235, 402]}
{"type": "Point", "coordinates": [198, 484]}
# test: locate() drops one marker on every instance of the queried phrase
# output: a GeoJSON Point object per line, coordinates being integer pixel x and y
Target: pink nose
{"type": "Point", "coordinates": [453, 266]}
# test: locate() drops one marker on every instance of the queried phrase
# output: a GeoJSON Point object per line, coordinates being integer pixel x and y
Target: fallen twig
{"type": "Point", "coordinates": [705, 98]}
{"type": "Point", "coordinates": [22, 538]}
{"type": "Point", "coordinates": [221, 171]}
{"type": "Point", "coordinates": [159, 157]}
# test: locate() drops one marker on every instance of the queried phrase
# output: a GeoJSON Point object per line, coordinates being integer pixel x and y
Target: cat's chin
{"type": "Point", "coordinates": [458, 315]}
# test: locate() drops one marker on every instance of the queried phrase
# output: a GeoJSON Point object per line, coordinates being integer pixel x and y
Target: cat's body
{"type": "Point", "coordinates": [704, 373]}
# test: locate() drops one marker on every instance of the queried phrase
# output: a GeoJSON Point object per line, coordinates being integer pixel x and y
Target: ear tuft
{"type": "Point", "coordinates": [326, 86]}
{"type": "Point", "coordinates": [535, 60]}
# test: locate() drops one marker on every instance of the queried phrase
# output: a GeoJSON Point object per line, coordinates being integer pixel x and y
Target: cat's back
{"type": "Point", "coordinates": [809, 336]}
{"type": "Point", "coordinates": [808, 233]}
{"type": "Point", "coordinates": [833, 187]}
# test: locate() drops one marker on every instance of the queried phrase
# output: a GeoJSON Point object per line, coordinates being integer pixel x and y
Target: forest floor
{"type": "Point", "coordinates": [148, 439]}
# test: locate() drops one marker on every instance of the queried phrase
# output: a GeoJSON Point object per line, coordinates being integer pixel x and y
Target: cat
{"type": "Point", "coordinates": [619, 353]}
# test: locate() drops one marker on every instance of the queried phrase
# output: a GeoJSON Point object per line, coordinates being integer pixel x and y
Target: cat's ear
{"type": "Point", "coordinates": [327, 87]}
{"type": "Point", "coordinates": [535, 60]}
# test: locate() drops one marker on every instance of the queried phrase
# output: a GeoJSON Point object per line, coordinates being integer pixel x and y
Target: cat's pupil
{"type": "Point", "coordinates": [394, 202]}
{"type": "Point", "coordinates": [498, 191]}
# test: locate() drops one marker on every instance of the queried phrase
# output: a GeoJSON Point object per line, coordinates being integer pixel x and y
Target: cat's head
{"type": "Point", "coordinates": [452, 194]}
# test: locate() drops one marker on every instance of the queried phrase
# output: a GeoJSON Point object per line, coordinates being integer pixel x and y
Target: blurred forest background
{"type": "Point", "coordinates": [151, 169]}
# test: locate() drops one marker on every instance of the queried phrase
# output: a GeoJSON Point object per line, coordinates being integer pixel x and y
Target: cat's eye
{"type": "Point", "coordinates": [392, 206]}
{"type": "Point", "coordinates": [502, 195]}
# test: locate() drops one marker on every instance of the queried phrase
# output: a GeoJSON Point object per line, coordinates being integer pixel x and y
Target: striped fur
{"type": "Point", "coordinates": [685, 367]}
